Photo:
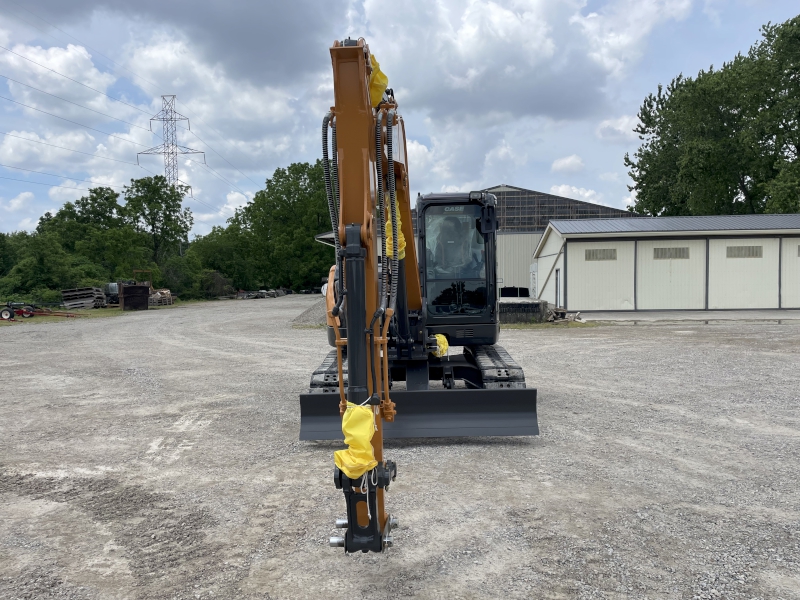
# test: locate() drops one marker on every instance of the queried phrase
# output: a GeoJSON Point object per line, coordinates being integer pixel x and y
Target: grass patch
{"type": "Point", "coordinates": [92, 313]}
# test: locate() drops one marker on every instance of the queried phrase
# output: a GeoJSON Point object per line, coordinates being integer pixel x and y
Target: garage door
{"type": "Point", "coordinates": [790, 273]}
{"type": "Point", "coordinates": [743, 273]}
{"type": "Point", "coordinates": [671, 274]}
{"type": "Point", "coordinates": [599, 275]}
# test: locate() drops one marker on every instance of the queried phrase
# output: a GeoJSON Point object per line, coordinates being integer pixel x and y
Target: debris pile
{"type": "Point", "coordinates": [161, 297]}
{"type": "Point", "coordinates": [87, 297]}
{"type": "Point", "coordinates": [560, 315]}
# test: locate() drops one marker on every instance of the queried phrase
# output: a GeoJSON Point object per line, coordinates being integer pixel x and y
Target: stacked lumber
{"type": "Point", "coordinates": [87, 297]}
{"type": "Point", "coordinates": [161, 297]}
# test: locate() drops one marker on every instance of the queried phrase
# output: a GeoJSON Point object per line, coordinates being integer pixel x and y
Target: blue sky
{"type": "Point", "coordinates": [539, 94]}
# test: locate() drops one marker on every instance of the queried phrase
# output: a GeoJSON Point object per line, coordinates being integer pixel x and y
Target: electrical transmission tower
{"type": "Point", "coordinates": [170, 148]}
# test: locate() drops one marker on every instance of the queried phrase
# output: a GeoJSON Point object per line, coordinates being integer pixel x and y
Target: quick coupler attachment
{"type": "Point", "coordinates": [363, 529]}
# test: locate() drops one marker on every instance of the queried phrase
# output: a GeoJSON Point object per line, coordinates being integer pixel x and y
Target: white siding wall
{"type": "Point", "coordinates": [743, 282]}
{"type": "Point", "coordinates": [548, 254]}
{"type": "Point", "coordinates": [790, 276]}
{"type": "Point", "coordinates": [671, 283]}
{"type": "Point", "coordinates": [600, 284]}
{"type": "Point", "coordinates": [514, 258]}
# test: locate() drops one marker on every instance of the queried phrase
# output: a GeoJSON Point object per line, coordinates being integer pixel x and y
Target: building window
{"type": "Point", "coordinates": [670, 253]}
{"type": "Point", "coordinates": [745, 251]}
{"type": "Point", "coordinates": [601, 254]}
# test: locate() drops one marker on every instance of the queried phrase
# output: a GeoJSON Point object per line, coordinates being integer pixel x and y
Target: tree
{"type": "Point", "coordinates": [725, 142]}
{"type": "Point", "coordinates": [282, 221]}
{"type": "Point", "coordinates": [100, 209]}
{"type": "Point", "coordinates": [154, 207]}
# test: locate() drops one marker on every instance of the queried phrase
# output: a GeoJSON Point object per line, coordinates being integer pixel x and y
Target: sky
{"type": "Point", "coordinates": [539, 94]}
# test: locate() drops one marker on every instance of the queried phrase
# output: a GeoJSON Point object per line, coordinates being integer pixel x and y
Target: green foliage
{"type": "Point", "coordinates": [727, 141]}
{"type": "Point", "coordinates": [153, 206]}
{"type": "Point", "coordinates": [282, 221]}
{"type": "Point", "coordinates": [269, 243]}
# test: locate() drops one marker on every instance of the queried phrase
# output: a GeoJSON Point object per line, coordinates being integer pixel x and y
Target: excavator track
{"type": "Point", "coordinates": [325, 378]}
{"type": "Point", "coordinates": [498, 369]}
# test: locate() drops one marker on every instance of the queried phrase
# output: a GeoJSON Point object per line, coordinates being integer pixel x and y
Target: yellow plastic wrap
{"type": "Point", "coordinates": [358, 427]}
{"type": "Point", "coordinates": [441, 346]}
{"type": "Point", "coordinates": [401, 240]}
{"type": "Point", "coordinates": [377, 82]}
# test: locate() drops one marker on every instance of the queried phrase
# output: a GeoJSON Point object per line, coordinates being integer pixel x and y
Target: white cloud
{"type": "Point", "coordinates": [612, 176]}
{"type": "Point", "coordinates": [630, 199]}
{"type": "Point", "coordinates": [617, 35]}
{"type": "Point", "coordinates": [64, 194]}
{"type": "Point", "coordinates": [20, 202]}
{"type": "Point", "coordinates": [27, 224]}
{"type": "Point", "coordinates": [570, 191]}
{"type": "Point", "coordinates": [568, 164]}
{"type": "Point", "coordinates": [619, 130]}
{"type": "Point", "coordinates": [234, 200]}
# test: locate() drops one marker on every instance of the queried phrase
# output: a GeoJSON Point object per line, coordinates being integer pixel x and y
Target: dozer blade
{"type": "Point", "coordinates": [432, 413]}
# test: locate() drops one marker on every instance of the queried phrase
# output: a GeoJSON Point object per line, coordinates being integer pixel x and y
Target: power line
{"type": "Point", "coordinates": [111, 97]}
{"type": "Point", "coordinates": [218, 176]}
{"type": "Point", "coordinates": [76, 104]}
{"type": "Point", "coordinates": [74, 122]}
{"type": "Point", "coordinates": [218, 154]}
{"type": "Point", "coordinates": [68, 149]}
{"type": "Point", "coordinates": [49, 184]}
{"type": "Point", "coordinates": [85, 45]}
{"type": "Point", "coordinates": [75, 80]}
{"type": "Point", "coordinates": [216, 208]}
{"type": "Point", "coordinates": [61, 176]}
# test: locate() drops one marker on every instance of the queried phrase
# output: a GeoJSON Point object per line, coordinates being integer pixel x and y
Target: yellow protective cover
{"type": "Point", "coordinates": [377, 82]}
{"type": "Point", "coordinates": [358, 427]}
{"type": "Point", "coordinates": [401, 241]}
{"type": "Point", "coordinates": [441, 346]}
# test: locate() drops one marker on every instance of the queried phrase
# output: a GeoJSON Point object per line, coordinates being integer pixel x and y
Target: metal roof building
{"type": "Point", "coordinates": [670, 263]}
{"type": "Point", "coordinates": [522, 217]}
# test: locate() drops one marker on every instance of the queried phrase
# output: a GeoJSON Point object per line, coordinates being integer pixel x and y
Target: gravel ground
{"type": "Point", "coordinates": [155, 455]}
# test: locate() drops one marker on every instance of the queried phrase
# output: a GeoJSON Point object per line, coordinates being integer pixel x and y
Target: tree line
{"type": "Point", "coordinates": [726, 141]}
{"type": "Point", "coordinates": [104, 236]}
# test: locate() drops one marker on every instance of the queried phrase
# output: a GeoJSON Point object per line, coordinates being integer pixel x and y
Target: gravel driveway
{"type": "Point", "coordinates": [155, 455]}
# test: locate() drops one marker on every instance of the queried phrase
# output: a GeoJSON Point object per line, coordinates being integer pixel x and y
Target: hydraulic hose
{"type": "Point", "coordinates": [335, 171]}
{"type": "Point", "coordinates": [326, 170]}
{"type": "Point", "coordinates": [381, 211]}
{"type": "Point", "coordinates": [332, 192]}
{"type": "Point", "coordinates": [392, 209]}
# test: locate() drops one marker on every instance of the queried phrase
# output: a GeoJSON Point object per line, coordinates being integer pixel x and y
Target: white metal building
{"type": "Point", "coordinates": [522, 216]}
{"type": "Point", "coordinates": [670, 263]}
{"type": "Point", "coordinates": [514, 256]}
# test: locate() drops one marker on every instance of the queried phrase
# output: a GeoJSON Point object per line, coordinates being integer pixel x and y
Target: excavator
{"type": "Point", "coordinates": [395, 311]}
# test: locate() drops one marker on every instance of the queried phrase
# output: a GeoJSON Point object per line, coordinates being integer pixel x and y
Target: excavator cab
{"type": "Point", "coordinates": [457, 250]}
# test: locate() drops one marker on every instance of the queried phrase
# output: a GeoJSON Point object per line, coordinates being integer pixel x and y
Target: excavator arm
{"type": "Point", "coordinates": [378, 316]}
{"type": "Point", "coordinates": [366, 188]}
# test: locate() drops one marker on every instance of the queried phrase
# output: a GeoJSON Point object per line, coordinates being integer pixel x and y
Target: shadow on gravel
{"type": "Point", "coordinates": [159, 536]}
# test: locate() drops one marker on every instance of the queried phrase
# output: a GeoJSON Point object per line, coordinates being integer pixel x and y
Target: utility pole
{"type": "Point", "coordinates": [170, 148]}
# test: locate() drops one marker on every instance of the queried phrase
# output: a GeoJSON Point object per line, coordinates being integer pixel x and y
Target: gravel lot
{"type": "Point", "coordinates": [155, 455]}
